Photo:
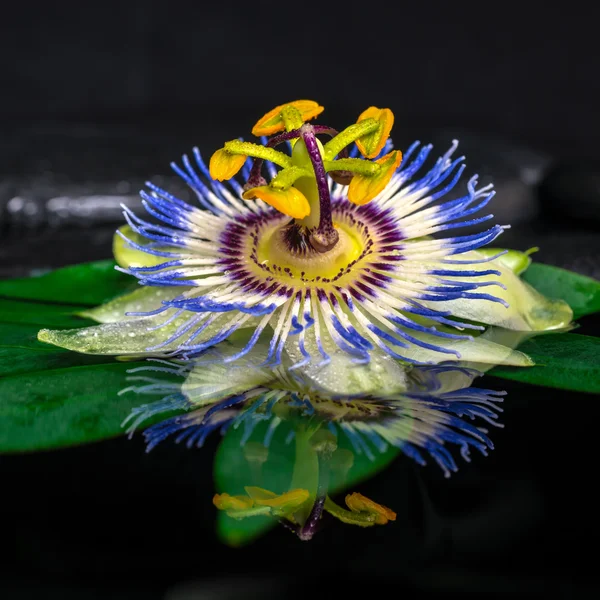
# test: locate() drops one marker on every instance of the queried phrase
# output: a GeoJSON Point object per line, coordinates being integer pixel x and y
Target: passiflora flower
{"type": "Point", "coordinates": [349, 247]}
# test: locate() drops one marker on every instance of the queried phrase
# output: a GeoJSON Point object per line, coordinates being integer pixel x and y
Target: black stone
{"type": "Point", "coordinates": [571, 192]}
{"type": "Point", "coordinates": [514, 168]}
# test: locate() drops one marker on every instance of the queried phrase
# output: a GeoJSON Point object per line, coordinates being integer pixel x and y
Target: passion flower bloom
{"type": "Point", "coordinates": [337, 252]}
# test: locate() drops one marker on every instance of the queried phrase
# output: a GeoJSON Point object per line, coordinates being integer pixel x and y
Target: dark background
{"type": "Point", "coordinates": [97, 97]}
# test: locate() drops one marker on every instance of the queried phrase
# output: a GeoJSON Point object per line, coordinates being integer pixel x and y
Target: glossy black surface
{"type": "Point", "coordinates": [94, 103]}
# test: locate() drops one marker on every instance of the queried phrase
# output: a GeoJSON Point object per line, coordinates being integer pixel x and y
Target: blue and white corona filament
{"type": "Point", "coordinates": [333, 254]}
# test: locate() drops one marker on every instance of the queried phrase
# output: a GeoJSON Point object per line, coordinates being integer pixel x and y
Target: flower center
{"type": "Point", "coordinates": [288, 249]}
{"type": "Point", "coordinates": [301, 189]}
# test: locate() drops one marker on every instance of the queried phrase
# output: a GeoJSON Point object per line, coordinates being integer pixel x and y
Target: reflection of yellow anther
{"type": "Point", "coordinates": [289, 500]}
{"type": "Point", "coordinates": [273, 122]}
{"type": "Point", "coordinates": [290, 202]}
{"type": "Point", "coordinates": [371, 144]}
{"type": "Point", "coordinates": [224, 165]}
{"type": "Point", "coordinates": [363, 188]}
{"type": "Point", "coordinates": [358, 503]}
{"type": "Point", "coordinates": [227, 502]}
{"type": "Point", "coordinates": [259, 494]}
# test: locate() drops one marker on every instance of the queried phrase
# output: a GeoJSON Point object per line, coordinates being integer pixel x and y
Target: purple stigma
{"type": "Point", "coordinates": [325, 237]}
{"type": "Point", "coordinates": [255, 179]}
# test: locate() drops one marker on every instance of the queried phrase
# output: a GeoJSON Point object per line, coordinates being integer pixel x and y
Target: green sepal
{"type": "Point", "coordinates": [127, 256]}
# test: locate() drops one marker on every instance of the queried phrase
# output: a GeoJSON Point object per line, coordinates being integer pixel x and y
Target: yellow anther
{"type": "Point", "coordinates": [227, 502]}
{"type": "Point", "coordinates": [273, 121]}
{"type": "Point", "coordinates": [291, 202]}
{"type": "Point", "coordinates": [224, 165]}
{"type": "Point", "coordinates": [371, 144]}
{"type": "Point", "coordinates": [363, 188]}
{"type": "Point", "coordinates": [358, 503]}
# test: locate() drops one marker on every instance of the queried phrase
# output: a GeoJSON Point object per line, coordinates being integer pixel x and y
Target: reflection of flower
{"type": "Point", "coordinates": [432, 408]}
{"type": "Point", "coordinates": [289, 508]}
{"type": "Point", "coordinates": [314, 266]}
{"type": "Point", "coordinates": [429, 413]}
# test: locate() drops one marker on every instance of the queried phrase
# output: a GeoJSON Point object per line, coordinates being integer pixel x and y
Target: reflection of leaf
{"type": "Point", "coordinates": [87, 284]}
{"type": "Point", "coordinates": [581, 293]}
{"type": "Point", "coordinates": [567, 361]}
{"type": "Point", "coordinates": [363, 467]}
{"type": "Point", "coordinates": [233, 472]}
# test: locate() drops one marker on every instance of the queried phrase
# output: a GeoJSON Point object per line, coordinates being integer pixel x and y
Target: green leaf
{"type": "Point", "coordinates": [21, 335]}
{"type": "Point", "coordinates": [567, 361]}
{"type": "Point", "coordinates": [50, 397]}
{"type": "Point", "coordinates": [20, 352]}
{"type": "Point", "coordinates": [233, 471]}
{"type": "Point", "coordinates": [63, 406]}
{"type": "Point", "coordinates": [581, 293]}
{"type": "Point", "coordinates": [88, 284]}
{"type": "Point", "coordinates": [20, 321]}
{"type": "Point", "coordinates": [37, 313]}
